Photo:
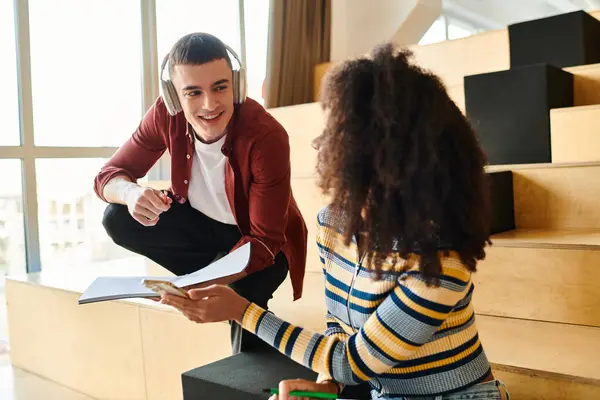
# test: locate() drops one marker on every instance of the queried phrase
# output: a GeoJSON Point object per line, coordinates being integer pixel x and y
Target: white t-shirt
{"type": "Point", "coordinates": [206, 192]}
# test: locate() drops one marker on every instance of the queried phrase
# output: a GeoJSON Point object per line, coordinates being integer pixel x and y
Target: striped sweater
{"type": "Point", "coordinates": [403, 337]}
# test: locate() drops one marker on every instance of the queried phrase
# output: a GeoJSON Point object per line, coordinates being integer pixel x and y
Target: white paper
{"type": "Point", "coordinates": [116, 287]}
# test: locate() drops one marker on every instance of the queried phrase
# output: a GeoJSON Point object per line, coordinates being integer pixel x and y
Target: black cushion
{"type": "Point", "coordinates": [243, 376]}
{"type": "Point", "coordinates": [502, 201]}
{"type": "Point", "coordinates": [510, 111]}
{"type": "Point", "coordinates": [563, 40]}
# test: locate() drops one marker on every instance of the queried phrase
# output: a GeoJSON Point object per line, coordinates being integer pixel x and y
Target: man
{"type": "Point", "coordinates": [230, 180]}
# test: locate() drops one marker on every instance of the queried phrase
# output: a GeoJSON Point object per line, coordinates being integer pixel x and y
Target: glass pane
{"type": "Point", "coordinates": [256, 17]}
{"type": "Point", "coordinates": [9, 106]}
{"type": "Point", "coordinates": [436, 33]}
{"type": "Point", "coordinates": [86, 72]}
{"type": "Point", "coordinates": [457, 32]}
{"type": "Point", "coordinates": [176, 18]}
{"type": "Point", "coordinates": [70, 215]}
{"type": "Point", "coordinates": [12, 235]}
{"type": "Point", "coordinates": [12, 228]}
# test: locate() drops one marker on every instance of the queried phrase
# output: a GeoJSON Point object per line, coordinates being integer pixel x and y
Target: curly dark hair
{"type": "Point", "coordinates": [401, 164]}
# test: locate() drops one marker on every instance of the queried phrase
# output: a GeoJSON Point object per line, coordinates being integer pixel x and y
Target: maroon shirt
{"type": "Point", "coordinates": [257, 178]}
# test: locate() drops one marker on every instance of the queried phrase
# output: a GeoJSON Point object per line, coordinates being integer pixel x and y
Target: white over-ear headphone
{"type": "Point", "coordinates": [169, 94]}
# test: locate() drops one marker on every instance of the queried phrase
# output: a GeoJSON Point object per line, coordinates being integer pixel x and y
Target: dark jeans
{"type": "Point", "coordinates": [185, 240]}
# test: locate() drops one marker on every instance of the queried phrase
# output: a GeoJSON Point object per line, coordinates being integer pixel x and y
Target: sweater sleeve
{"type": "Point", "coordinates": [403, 322]}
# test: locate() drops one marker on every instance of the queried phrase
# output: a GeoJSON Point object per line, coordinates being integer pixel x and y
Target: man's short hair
{"type": "Point", "coordinates": [197, 48]}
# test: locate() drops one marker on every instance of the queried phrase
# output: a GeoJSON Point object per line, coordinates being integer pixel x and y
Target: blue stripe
{"type": "Point", "coordinates": [438, 356]}
{"type": "Point", "coordinates": [393, 332]}
{"type": "Point", "coordinates": [290, 344]}
{"type": "Point", "coordinates": [454, 280]}
{"type": "Point", "coordinates": [369, 296]}
{"type": "Point", "coordinates": [455, 328]}
{"type": "Point", "coordinates": [332, 255]}
{"type": "Point", "coordinates": [351, 346]}
{"type": "Point", "coordinates": [415, 314]}
{"type": "Point", "coordinates": [448, 280]}
{"type": "Point", "coordinates": [279, 335]}
{"type": "Point", "coordinates": [335, 297]}
{"type": "Point", "coordinates": [314, 351]}
{"type": "Point", "coordinates": [330, 359]}
{"type": "Point", "coordinates": [436, 370]}
{"type": "Point", "coordinates": [363, 310]}
{"type": "Point", "coordinates": [355, 292]}
{"type": "Point", "coordinates": [260, 319]}
{"type": "Point", "coordinates": [441, 308]}
{"type": "Point", "coordinates": [337, 283]}
{"type": "Point", "coordinates": [377, 348]}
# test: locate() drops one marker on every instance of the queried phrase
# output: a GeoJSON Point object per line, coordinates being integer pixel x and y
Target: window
{"type": "Point", "coordinates": [256, 17]}
{"type": "Point", "coordinates": [9, 106]}
{"type": "Point", "coordinates": [86, 72]}
{"type": "Point", "coordinates": [12, 234]}
{"type": "Point", "coordinates": [436, 33]}
{"type": "Point", "coordinates": [457, 32]}
{"type": "Point", "coordinates": [176, 18]}
{"type": "Point", "coordinates": [75, 193]}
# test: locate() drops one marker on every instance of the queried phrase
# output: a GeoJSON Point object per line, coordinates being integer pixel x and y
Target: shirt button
{"type": "Point", "coordinates": [186, 182]}
{"type": "Point", "coordinates": [188, 156]}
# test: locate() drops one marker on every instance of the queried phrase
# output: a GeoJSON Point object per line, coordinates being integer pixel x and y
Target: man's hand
{"type": "Point", "coordinates": [146, 204]}
{"type": "Point", "coordinates": [215, 303]}
{"type": "Point", "coordinates": [285, 387]}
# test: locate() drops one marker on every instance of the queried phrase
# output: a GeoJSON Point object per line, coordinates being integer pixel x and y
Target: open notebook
{"type": "Point", "coordinates": [116, 287]}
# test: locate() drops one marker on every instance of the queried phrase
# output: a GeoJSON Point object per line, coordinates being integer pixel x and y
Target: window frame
{"type": "Point", "coordinates": [28, 153]}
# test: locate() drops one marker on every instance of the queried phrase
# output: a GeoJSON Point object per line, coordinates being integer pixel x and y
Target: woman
{"type": "Point", "coordinates": [407, 224]}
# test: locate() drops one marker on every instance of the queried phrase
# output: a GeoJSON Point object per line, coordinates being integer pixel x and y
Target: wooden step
{"type": "Point", "coordinates": [549, 239]}
{"type": "Point", "coordinates": [554, 283]}
{"type": "Point", "coordinates": [575, 133]}
{"type": "Point", "coordinates": [124, 349]}
{"type": "Point", "coordinates": [556, 196]}
{"type": "Point", "coordinates": [525, 384]}
{"type": "Point", "coordinates": [543, 350]}
{"type": "Point", "coordinates": [586, 84]}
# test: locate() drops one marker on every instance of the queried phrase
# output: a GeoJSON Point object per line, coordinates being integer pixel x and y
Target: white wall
{"type": "Point", "coordinates": [358, 25]}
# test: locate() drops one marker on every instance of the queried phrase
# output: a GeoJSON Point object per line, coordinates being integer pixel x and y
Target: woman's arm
{"type": "Point", "coordinates": [402, 323]}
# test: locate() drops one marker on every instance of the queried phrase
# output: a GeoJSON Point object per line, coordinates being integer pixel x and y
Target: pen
{"type": "Point", "coordinates": [300, 393]}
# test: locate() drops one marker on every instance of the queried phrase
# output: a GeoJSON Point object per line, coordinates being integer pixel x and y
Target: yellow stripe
{"type": "Point", "coordinates": [367, 284]}
{"type": "Point", "coordinates": [317, 364]}
{"type": "Point", "coordinates": [445, 343]}
{"type": "Point", "coordinates": [419, 308]}
{"type": "Point", "coordinates": [341, 274]}
{"type": "Point", "coordinates": [452, 266]}
{"type": "Point", "coordinates": [354, 367]}
{"type": "Point", "coordinates": [285, 338]}
{"type": "Point", "coordinates": [251, 317]}
{"type": "Point", "coordinates": [389, 343]}
{"type": "Point", "coordinates": [435, 294]}
{"type": "Point", "coordinates": [458, 318]}
{"type": "Point", "coordinates": [343, 294]}
{"type": "Point", "coordinates": [439, 363]}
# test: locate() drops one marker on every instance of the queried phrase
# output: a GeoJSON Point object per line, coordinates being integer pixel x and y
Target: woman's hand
{"type": "Point", "coordinates": [215, 303]}
{"type": "Point", "coordinates": [285, 387]}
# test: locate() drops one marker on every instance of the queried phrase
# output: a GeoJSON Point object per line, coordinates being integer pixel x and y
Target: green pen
{"type": "Point", "coordinates": [300, 393]}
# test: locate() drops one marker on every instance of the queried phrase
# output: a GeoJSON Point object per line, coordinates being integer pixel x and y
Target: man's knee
{"type": "Point", "coordinates": [116, 220]}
